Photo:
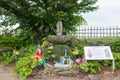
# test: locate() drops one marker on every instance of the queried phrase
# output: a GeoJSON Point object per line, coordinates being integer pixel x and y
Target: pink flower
{"type": "Point", "coordinates": [78, 61]}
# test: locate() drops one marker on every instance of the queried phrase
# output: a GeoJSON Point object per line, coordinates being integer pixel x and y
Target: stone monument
{"type": "Point", "coordinates": [59, 38]}
{"type": "Point", "coordinates": [59, 28]}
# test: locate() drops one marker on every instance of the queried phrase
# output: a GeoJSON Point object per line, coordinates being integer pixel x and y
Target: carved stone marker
{"type": "Point", "coordinates": [59, 28]}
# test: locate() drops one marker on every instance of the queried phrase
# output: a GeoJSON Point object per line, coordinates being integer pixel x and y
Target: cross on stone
{"type": "Point", "coordinates": [59, 28]}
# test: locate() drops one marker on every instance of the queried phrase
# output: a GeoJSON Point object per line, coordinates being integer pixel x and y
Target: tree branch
{"type": "Point", "coordinates": [14, 10]}
{"type": "Point", "coordinates": [24, 4]}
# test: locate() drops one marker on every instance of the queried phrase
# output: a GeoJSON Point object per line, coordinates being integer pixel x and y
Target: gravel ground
{"type": "Point", "coordinates": [6, 73]}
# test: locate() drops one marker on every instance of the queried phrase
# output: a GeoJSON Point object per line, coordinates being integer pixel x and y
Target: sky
{"type": "Point", "coordinates": [108, 14]}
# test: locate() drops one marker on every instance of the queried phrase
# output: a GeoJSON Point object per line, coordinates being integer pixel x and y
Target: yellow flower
{"type": "Point", "coordinates": [16, 52]}
{"type": "Point", "coordinates": [75, 52]}
{"type": "Point", "coordinates": [50, 50]}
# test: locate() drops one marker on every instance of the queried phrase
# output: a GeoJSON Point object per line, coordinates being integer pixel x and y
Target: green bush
{"type": "Point", "coordinates": [106, 63]}
{"type": "Point", "coordinates": [27, 37]}
{"type": "Point", "coordinates": [116, 46]}
{"type": "Point", "coordinates": [10, 41]}
{"type": "Point", "coordinates": [117, 60]}
{"type": "Point", "coordinates": [7, 58]}
{"type": "Point", "coordinates": [91, 66]}
{"type": "Point", "coordinates": [24, 66]}
{"type": "Point", "coordinates": [18, 39]}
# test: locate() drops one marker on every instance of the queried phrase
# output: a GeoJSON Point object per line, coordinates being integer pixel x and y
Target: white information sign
{"type": "Point", "coordinates": [98, 53]}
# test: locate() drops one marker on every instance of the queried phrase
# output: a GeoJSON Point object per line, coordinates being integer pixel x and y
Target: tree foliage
{"type": "Point", "coordinates": [40, 16]}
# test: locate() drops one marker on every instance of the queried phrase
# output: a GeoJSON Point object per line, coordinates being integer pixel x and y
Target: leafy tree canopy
{"type": "Point", "coordinates": [40, 16]}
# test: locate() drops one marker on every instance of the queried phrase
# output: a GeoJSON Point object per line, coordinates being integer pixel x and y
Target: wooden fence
{"type": "Point", "coordinates": [97, 32]}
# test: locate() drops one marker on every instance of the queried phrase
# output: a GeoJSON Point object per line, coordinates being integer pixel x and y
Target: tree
{"type": "Point", "coordinates": [40, 16]}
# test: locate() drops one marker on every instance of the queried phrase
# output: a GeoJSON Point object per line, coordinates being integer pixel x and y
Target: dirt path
{"type": "Point", "coordinates": [6, 73]}
{"type": "Point", "coordinates": [104, 75]}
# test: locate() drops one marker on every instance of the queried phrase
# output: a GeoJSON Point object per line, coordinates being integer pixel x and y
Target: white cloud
{"type": "Point", "coordinates": [108, 14]}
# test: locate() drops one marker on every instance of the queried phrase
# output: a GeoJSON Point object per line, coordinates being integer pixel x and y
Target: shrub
{"type": "Point", "coordinates": [116, 46]}
{"type": "Point", "coordinates": [24, 66]}
{"type": "Point", "coordinates": [10, 41]}
{"type": "Point", "coordinates": [7, 58]}
{"type": "Point", "coordinates": [117, 60]}
{"type": "Point", "coordinates": [91, 66]}
{"type": "Point", "coordinates": [106, 63]}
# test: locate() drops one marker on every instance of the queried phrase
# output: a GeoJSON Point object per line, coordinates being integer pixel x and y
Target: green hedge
{"type": "Point", "coordinates": [10, 41]}
{"type": "Point", "coordinates": [116, 46]}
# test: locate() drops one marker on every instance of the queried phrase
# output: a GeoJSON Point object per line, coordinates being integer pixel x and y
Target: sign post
{"type": "Point", "coordinates": [99, 53]}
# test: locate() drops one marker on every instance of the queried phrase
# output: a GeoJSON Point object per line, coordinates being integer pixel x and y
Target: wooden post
{"type": "Point", "coordinates": [113, 64]}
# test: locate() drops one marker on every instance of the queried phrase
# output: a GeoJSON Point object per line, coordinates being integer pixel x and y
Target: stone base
{"type": "Point", "coordinates": [58, 38]}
